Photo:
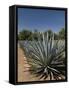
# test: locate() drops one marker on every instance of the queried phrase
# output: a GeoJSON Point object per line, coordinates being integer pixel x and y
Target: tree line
{"type": "Point", "coordinates": [29, 35]}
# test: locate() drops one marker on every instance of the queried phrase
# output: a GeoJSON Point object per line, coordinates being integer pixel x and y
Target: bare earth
{"type": "Point", "coordinates": [23, 73]}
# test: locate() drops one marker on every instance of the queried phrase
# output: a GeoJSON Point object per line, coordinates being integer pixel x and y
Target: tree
{"type": "Point", "coordinates": [35, 34]}
{"type": "Point", "coordinates": [56, 36]}
{"type": "Point", "coordinates": [50, 33]}
{"type": "Point", "coordinates": [25, 35]}
{"type": "Point", "coordinates": [62, 33]}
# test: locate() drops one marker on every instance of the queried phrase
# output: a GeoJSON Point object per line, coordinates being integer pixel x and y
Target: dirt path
{"type": "Point", "coordinates": [23, 74]}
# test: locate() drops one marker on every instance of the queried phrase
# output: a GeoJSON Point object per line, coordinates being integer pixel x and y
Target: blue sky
{"type": "Point", "coordinates": [40, 19]}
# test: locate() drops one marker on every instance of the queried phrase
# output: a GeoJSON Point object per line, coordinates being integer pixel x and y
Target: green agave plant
{"type": "Point", "coordinates": [46, 57]}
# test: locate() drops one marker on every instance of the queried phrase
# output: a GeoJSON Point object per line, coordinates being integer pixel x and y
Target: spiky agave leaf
{"type": "Point", "coordinates": [46, 57]}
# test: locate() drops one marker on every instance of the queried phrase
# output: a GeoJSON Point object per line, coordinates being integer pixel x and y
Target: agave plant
{"type": "Point", "coordinates": [46, 57]}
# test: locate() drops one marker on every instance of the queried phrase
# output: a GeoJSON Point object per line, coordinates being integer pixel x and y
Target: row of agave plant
{"type": "Point", "coordinates": [46, 57]}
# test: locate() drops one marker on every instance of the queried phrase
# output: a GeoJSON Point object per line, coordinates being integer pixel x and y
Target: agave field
{"type": "Point", "coordinates": [46, 57]}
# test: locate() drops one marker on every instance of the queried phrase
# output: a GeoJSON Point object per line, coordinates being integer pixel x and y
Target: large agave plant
{"type": "Point", "coordinates": [46, 57]}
